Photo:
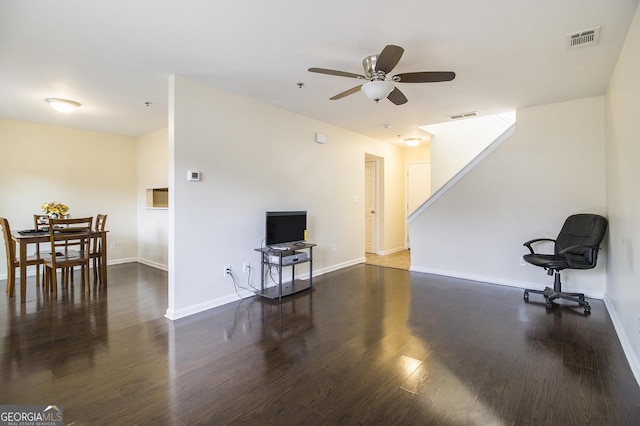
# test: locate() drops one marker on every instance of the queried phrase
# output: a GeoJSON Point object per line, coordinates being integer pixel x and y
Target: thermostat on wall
{"type": "Point", "coordinates": [193, 176]}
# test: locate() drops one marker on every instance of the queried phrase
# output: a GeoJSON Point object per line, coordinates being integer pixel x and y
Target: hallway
{"type": "Point", "coordinates": [399, 260]}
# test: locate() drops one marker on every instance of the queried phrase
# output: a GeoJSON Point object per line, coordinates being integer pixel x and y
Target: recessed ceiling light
{"type": "Point", "coordinates": [62, 105]}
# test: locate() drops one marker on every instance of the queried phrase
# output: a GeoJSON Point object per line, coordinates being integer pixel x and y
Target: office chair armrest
{"type": "Point", "coordinates": [536, 240]}
{"type": "Point", "coordinates": [565, 252]}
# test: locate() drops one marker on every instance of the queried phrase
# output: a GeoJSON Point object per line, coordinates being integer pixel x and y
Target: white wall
{"type": "Point", "coordinates": [254, 158]}
{"type": "Point", "coordinates": [552, 167]}
{"type": "Point", "coordinates": [455, 143]}
{"type": "Point", "coordinates": [418, 154]}
{"type": "Point", "coordinates": [153, 223]}
{"type": "Point", "coordinates": [90, 172]}
{"type": "Point", "coordinates": [395, 195]}
{"type": "Point", "coordinates": [623, 201]}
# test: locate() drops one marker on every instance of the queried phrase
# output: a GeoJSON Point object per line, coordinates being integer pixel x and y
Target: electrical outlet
{"type": "Point", "coordinates": [245, 267]}
{"type": "Point", "coordinates": [113, 245]}
{"type": "Point", "coordinates": [227, 271]}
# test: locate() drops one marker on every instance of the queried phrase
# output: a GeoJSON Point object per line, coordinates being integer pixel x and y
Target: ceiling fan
{"type": "Point", "coordinates": [380, 85]}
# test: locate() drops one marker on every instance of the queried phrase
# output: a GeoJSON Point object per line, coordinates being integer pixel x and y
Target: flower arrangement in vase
{"type": "Point", "coordinates": [55, 209]}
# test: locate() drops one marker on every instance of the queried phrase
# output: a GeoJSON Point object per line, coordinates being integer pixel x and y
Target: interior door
{"type": "Point", "coordinates": [370, 206]}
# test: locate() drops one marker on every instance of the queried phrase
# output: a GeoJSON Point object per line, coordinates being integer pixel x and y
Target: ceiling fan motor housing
{"type": "Point", "coordinates": [369, 65]}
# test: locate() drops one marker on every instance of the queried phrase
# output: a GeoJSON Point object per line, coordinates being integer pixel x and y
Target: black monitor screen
{"type": "Point", "coordinates": [285, 227]}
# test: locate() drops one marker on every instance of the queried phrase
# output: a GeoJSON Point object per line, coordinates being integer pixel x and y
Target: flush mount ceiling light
{"type": "Point", "coordinates": [412, 141]}
{"type": "Point", "coordinates": [377, 89]}
{"type": "Point", "coordinates": [62, 105]}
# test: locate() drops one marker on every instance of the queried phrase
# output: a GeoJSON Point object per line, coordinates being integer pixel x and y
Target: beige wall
{"type": "Point", "coordinates": [254, 158]}
{"type": "Point", "coordinates": [90, 172]}
{"type": "Point", "coordinates": [553, 166]}
{"type": "Point", "coordinates": [244, 174]}
{"type": "Point", "coordinates": [152, 152]}
{"type": "Point", "coordinates": [394, 195]}
{"type": "Point", "coordinates": [418, 154]}
{"type": "Point", "coordinates": [623, 200]}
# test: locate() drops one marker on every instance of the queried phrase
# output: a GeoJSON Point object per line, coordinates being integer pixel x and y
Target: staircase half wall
{"type": "Point", "coordinates": [522, 186]}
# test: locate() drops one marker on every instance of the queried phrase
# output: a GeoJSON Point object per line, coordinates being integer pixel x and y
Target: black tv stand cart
{"type": "Point", "coordinates": [274, 259]}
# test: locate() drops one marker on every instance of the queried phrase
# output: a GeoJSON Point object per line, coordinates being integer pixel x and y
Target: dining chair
{"type": "Point", "coordinates": [70, 246]}
{"type": "Point", "coordinates": [12, 261]}
{"type": "Point", "coordinates": [97, 247]}
{"type": "Point", "coordinates": [40, 222]}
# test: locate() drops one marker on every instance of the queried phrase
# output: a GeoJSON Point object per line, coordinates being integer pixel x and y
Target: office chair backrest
{"type": "Point", "coordinates": [582, 230]}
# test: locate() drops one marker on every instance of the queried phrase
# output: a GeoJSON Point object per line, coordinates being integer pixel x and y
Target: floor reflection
{"type": "Point", "coordinates": [57, 335]}
{"type": "Point", "coordinates": [285, 327]}
{"type": "Point", "coordinates": [369, 345]}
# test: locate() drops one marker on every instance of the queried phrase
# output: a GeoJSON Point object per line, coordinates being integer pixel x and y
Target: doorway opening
{"type": "Point", "coordinates": [374, 219]}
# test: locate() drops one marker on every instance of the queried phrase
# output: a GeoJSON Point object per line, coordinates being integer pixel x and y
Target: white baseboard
{"type": "Point", "coordinates": [391, 251]}
{"type": "Point", "coordinates": [322, 271]}
{"type": "Point", "coordinates": [624, 340]}
{"type": "Point", "coordinates": [499, 281]}
{"type": "Point", "coordinates": [174, 314]}
{"type": "Point", "coordinates": [153, 264]}
{"type": "Point", "coordinates": [121, 261]}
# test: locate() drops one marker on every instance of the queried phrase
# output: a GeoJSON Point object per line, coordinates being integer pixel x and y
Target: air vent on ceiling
{"type": "Point", "coordinates": [463, 115]}
{"type": "Point", "coordinates": [584, 38]}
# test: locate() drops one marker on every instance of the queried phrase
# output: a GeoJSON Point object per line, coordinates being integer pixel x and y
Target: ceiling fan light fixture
{"type": "Point", "coordinates": [65, 106]}
{"type": "Point", "coordinates": [377, 89]}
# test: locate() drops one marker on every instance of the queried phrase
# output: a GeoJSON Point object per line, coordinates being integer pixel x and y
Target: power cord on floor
{"type": "Point", "coordinates": [237, 286]}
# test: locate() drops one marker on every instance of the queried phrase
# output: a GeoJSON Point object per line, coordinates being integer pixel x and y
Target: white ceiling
{"type": "Point", "coordinates": [113, 56]}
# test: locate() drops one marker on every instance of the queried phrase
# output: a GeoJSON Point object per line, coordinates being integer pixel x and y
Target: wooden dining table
{"type": "Point", "coordinates": [23, 240]}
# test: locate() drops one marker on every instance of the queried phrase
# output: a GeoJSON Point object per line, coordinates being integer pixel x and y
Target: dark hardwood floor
{"type": "Point", "coordinates": [370, 345]}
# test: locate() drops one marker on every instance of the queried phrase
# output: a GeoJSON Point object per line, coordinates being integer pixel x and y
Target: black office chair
{"type": "Point", "coordinates": [576, 247]}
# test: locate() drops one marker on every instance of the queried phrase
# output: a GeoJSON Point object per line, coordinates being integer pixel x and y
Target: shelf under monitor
{"type": "Point", "coordinates": [287, 289]}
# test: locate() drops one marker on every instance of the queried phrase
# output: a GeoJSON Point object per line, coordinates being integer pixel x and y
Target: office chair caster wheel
{"type": "Point", "coordinates": [587, 309]}
{"type": "Point", "coordinates": [549, 305]}
{"type": "Point", "coordinates": [526, 296]}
